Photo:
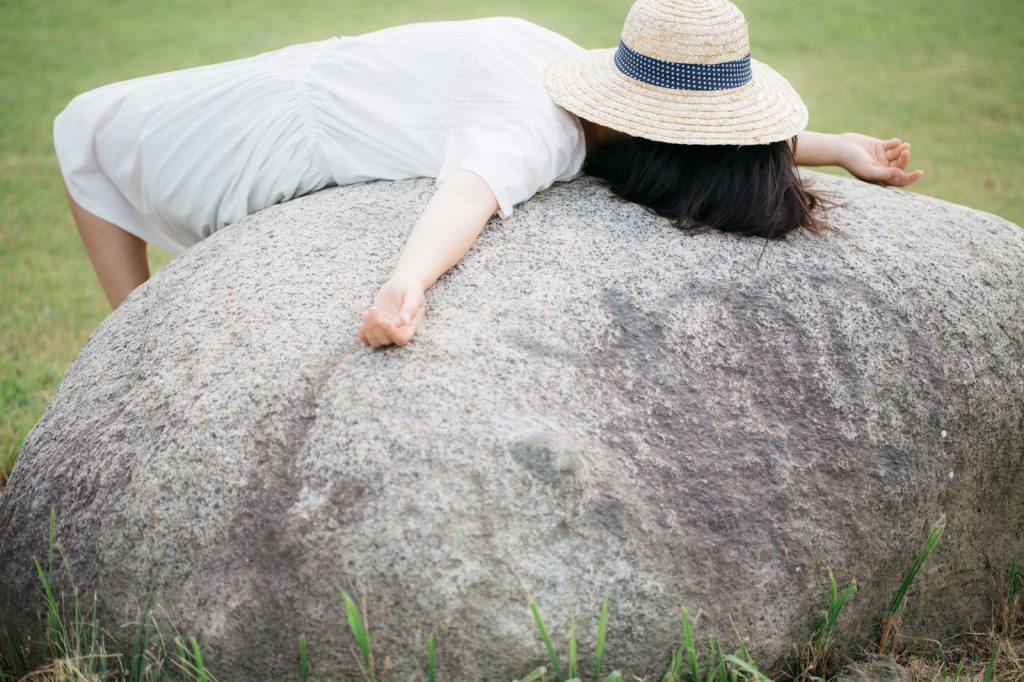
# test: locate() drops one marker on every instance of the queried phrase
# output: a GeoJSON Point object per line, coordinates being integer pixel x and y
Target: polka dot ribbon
{"type": "Point", "coordinates": [682, 75]}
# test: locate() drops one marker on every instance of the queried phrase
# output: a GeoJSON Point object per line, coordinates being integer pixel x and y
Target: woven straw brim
{"type": "Point", "coordinates": [588, 84]}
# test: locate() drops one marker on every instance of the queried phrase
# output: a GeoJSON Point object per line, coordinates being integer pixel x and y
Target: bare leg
{"type": "Point", "coordinates": [118, 257]}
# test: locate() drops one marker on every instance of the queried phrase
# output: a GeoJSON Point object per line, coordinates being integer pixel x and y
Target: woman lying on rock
{"type": "Point", "coordinates": [678, 118]}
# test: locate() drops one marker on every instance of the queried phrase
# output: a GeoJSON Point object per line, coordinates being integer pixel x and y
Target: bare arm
{"type": "Point", "coordinates": [865, 157]}
{"type": "Point", "coordinates": [817, 149]}
{"type": "Point", "coordinates": [445, 231]}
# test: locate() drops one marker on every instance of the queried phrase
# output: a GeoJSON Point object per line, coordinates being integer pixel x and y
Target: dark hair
{"type": "Point", "coordinates": [752, 189]}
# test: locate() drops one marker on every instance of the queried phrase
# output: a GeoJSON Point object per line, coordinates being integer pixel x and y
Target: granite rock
{"type": "Point", "coordinates": [596, 404]}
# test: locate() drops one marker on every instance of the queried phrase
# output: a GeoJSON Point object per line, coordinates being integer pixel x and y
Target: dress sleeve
{"type": "Point", "coordinates": [515, 159]}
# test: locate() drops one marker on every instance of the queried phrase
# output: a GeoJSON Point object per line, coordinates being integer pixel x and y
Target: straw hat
{"type": "Point", "coordinates": [682, 73]}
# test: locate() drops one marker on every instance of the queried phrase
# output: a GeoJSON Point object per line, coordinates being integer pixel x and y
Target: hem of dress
{"type": "Point", "coordinates": [100, 211]}
{"type": "Point", "coordinates": [505, 207]}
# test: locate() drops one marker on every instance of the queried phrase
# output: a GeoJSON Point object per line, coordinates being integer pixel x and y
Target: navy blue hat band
{"type": "Point", "coordinates": [683, 75]}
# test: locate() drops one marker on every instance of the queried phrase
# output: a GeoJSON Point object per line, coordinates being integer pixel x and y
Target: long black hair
{"type": "Point", "coordinates": [751, 189]}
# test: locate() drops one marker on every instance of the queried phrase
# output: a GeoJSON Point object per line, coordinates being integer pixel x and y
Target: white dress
{"type": "Point", "coordinates": [174, 157]}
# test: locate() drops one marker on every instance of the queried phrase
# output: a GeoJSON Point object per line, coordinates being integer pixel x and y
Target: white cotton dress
{"type": "Point", "coordinates": [175, 156]}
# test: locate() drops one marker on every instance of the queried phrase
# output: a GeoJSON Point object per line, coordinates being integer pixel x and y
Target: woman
{"type": "Point", "coordinates": [678, 118]}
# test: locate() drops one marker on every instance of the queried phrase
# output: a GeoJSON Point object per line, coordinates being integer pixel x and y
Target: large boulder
{"type": "Point", "coordinates": [596, 404]}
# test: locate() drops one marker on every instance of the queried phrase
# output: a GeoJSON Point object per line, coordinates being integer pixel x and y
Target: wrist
{"type": "Point", "coordinates": [408, 276]}
{"type": "Point", "coordinates": [845, 147]}
{"type": "Point", "coordinates": [819, 149]}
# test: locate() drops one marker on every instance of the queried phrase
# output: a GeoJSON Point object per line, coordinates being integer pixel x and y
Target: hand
{"type": "Point", "coordinates": [875, 160]}
{"type": "Point", "coordinates": [395, 314]}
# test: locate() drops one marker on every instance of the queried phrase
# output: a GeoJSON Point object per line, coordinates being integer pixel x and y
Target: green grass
{"type": "Point", "coordinates": [431, 659]}
{"type": "Point", "coordinates": [572, 660]}
{"type": "Point", "coordinates": [891, 619]}
{"type": "Point", "coordinates": [78, 649]}
{"type": "Point", "coordinates": [304, 660]}
{"type": "Point", "coordinates": [815, 656]}
{"type": "Point", "coordinates": [718, 667]}
{"type": "Point", "coordinates": [357, 625]}
{"type": "Point", "coordinates": [944, 75]}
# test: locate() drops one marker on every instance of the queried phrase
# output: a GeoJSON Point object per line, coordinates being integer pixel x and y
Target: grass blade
{"type": "Point", "coordinates": [602, 626]}
{"type": "Point", "coordinates": [102, 664]}
{"type": "Point", "coordinates": [94, 634]}
{"type": "Point", "coordinates": [959, 668]}
{"type": "Point", "coordinates": [821, 643]}
{"type": "Point", "coordinates": [77, 623]}
{"type": "Point", "coordinates": [431, 659]}
{"type": "Point", "coordinates": [990, 669]}
{"type": "Point", "coordinates": [942, 652]}
{"type": "Point", "coordinates": [691, 653]}
{"type": "Point", "coordinates": [533, 676]}
{"type": "Point", "coordinates": [16, 652]}
{"type": "Point", "coordinates": [55, 628]}
{"type": "Point", "coordinates": [197, 655]}
{"type": "Point", "coordinates": [889, 621]}
{"type": "Point", "coordinates": [547, 640]}
{"type": "Point", "coordinates": [183, 659]}
{"type": "Point", "coordinates": [572, 647]}
{"type": "Point", "coordinates": [709, 665]}
{"type": "Point", "coordinates": [747, 668]}
{"type": "Point", "coordinates": [140, 643]}
{"type": "Point", "coordinates": [677, 664]}
{"type": "Point", "coordinates": [189, 661]}
{"type": "Point", "coordinates": [359, 631]}
{"type": "Point", "coordinates": [303, 659]}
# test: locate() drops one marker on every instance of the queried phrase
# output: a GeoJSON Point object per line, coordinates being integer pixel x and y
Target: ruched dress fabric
{"type": "Point", "coordinates": [174, 157]}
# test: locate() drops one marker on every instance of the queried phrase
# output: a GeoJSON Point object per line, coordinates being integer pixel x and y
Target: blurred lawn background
{"type": "Point", "coordinates": [943, 74]}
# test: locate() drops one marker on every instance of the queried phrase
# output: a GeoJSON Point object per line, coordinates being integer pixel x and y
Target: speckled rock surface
{"type": "Point", "coordinates": [596, 403]}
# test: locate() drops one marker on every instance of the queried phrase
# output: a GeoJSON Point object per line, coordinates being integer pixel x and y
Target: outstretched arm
{"type": "Point", "coordinates": [449, 225]}
{"type": "Point", "coordinates": [865, 157]}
